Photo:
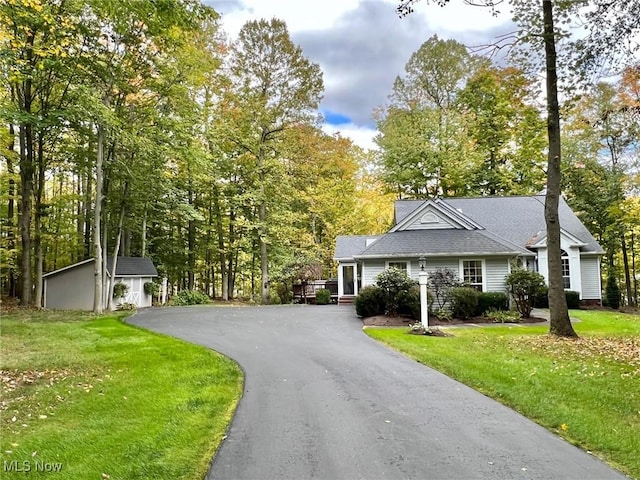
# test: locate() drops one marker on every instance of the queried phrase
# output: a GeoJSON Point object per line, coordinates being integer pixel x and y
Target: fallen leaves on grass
{"type": "Point", "coordinates": [621, 350]}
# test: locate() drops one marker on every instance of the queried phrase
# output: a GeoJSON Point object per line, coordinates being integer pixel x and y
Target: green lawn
{"type": "Point", "coordinates": [586, 390]}
{"type": "Point", "coordinates": [101, 399]}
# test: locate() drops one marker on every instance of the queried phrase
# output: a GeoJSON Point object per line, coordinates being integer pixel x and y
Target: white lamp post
{"type": "Point", "coordinates": [424, 304]}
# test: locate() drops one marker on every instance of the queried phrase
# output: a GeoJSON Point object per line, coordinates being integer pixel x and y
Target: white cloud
{"type": "Point", "coordinates": [361, 136]}
{"type": "Point", "coordinates": [362, 45]}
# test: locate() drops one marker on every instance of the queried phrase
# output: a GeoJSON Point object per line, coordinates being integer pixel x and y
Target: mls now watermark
{"type": "Point", "coordinates": [31, 466]}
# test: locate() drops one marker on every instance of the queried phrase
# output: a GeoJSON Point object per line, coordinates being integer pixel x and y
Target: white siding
{"type": "Point", "coordinates": [591, 283]}
{"type": "Point", "coordinates": [453, 264]}
{"type": "Point", "coordinates": [496, 270]}
{"type": "Point", "coordinates": [371, 268]}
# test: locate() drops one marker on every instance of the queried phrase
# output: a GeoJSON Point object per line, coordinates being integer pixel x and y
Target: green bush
{"type": "Point", "coordinates": [323, 296]}
{"type": "Point", "coordinates": [441, 283]}
{"type": "Point", "coordinates": [190, 297]}
{"type": "Point", "coordinates": [612, 292]}
{"type": "Point", "coordinates": [542, 299]}
{"type": "Point", "coordinates": [524, 286]}
{"type": "Point", "coordinates": [464, 301]}
{"type": "Point", "coordinates": [504, 316]}
{"type": "Point", "coordinates": [494, 301]}
{"type": "Point", "coordinates": [409, 303]}
{"type": "Point", "coordinates": [151, 288]}
{"type": "Point", "coordinates": [573, 299]}
{"type": "Point", "coordinates": [370, 301]}
{"type": "Point", "coordinates": [395, 285]}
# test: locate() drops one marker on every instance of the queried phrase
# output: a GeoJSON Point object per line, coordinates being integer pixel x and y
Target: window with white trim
{"type": "Point", "coordinates": [398, 265]}
{"type": "Point", "coordinates": [472, 273]}
{"type": "Point", "coordinates": [566, 271]}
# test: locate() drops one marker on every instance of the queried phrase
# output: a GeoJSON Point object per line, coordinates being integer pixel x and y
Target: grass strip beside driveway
{"type": "Point", "coordinates": [97, 398]}
{"type": "Point", "coordinates": [586, 390]}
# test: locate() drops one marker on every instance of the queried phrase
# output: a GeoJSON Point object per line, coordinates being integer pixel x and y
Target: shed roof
{"type": "Point", "coordinates": [125, 267]}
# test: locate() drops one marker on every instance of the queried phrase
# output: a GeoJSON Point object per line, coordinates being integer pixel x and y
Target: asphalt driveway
{"type": "Point", "coordinates": [323, 400]}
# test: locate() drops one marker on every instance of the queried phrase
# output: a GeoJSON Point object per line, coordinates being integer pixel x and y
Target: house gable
{"type": "Point", "coordinates": [435, 215]}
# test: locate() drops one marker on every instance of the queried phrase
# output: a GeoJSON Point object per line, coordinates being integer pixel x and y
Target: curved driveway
{"type": "Point", "coordinates": [323, 400]}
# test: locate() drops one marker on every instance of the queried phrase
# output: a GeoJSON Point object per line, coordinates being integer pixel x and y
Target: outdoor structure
{"type": "Point", "coordinates": [72, 287]}
{"type": "Point", "coordinates": [477, 238]}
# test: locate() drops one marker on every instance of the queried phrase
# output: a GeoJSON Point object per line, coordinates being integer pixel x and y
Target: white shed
{"type": "Point", "coordinates": [72, 287]}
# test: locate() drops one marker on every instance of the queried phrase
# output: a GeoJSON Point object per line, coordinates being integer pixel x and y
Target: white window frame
{"type": "Point", "coordinates": [390, 264]}
{"type": "Point", "coordinates": [483, 267]}
{"type": "Point", "coordinates": [565, 261]}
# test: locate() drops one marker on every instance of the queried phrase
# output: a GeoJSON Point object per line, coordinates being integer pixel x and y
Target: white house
{"type": "Point", "coordinates": [72, 287]}
{"type": "Point", "coordinates": [478, 238]}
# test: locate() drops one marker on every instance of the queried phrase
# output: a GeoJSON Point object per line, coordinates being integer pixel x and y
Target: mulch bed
{"type": "Point", "coordinates": [385, 321]}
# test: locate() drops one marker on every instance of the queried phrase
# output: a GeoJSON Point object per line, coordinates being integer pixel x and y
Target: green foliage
{"type": "Point", "coordinates": [120, 290]}
{"type": "Point", "coordinates": [504, 316]}
{"type": "Point", "coordinates": [323, 296]}
{"type": "Point", "coordinates": [524, 285]}
{"type": "Point", "coordinates": [152, 288]}
{"type": "Point", "coordinates": [181, 395]}
{"type": "Point", "coordinates": [492, 301]}
{"type": "Point", "coordinates": [127, 306]}
{"type": "Point", "coordinates": [444, 314]}
{"type": "Point", "coordinates": [409, 303]}
{"type": "Point", "coordinates": [441, 282]}
{"type": "Point", "coordinates": [464, 302]}
{"type": "Point", "coordinates": [573, 299]}
{"type": "Point", "coordinates": [370, 301]}
{"type": "Point", "coordinates": [395, 284]}
{"type": "Point", "coordinates": [190, 297]}
{"type": "Point", "coordinates": [612, 292]}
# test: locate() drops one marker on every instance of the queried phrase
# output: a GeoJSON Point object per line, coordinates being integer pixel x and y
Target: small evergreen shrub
{"type": "Point", "coordinates": [464, 302]}
{"type": "Point", "coordinates": [573, 299]}
{"type": "Point", "coordinates": [492, 301]}
{"type": "Point", "coordinates": [323, 296]}
{"type": "Point", "coordinates": [370, 301]}
{"type": "Point", "coordinates": [524, 286]}
{"type": "Point", "coordinates": [190, 297]}
{"type": "Point", "coordinates": [504, 316]}
{"type": "Point", "coordinates": [612, 292]}
{"type": "Point", "coordinates": [120, 290]}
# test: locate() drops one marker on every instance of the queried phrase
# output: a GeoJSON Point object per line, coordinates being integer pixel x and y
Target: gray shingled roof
{"type": "Point", "coordinates": [509, 224]}
{"type": "Point", "coordinates": [412, 243]}
{"type": "Point", "coordinates": [349, 245]}
{"type": "Point", "coordinates": [518, 219]}
{"type": "Point", "coordinates": [133, 266]}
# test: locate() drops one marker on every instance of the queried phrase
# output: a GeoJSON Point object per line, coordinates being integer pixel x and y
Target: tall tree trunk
{"type": "Point", "coordinates": [89, 197]}
{"type": "Point", "coordinates": [262, 230]}
{"type": "Point", "coordinates": [116, 247]}
{"type": "Point", "coordinates": [39, 213]}
{"type": "Point", "coordinates": [560, 324]}
{"type": "Point", "coordinates": [98, 303]}
{"type": "Point", "coordinates": [627, 274]}
{"type": "Point", "coordinates": [217, 213]}
{"type": "Point", "coordinates": [24, 221]}
{"type": "Point", "coordinates": [143, 234]}
{"type": "Point", "coordinates": [10, 221]}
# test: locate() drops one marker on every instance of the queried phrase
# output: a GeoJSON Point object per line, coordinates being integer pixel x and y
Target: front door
{"type": "Point", "coordinates": [348, 279]}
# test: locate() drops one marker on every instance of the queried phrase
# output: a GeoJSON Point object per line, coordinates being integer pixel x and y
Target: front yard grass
{"type": "Point", "coordinates": [97, 398]}
{"type": "Point", "coordinates": [586, 390]}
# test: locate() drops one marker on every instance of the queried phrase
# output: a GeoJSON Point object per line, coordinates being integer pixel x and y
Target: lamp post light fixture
{"type": "Point", "coordinates": [424, 306]}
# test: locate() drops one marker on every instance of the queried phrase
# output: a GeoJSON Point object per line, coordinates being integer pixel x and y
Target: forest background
{"type": "Point", "coordinates": [137, 128]}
